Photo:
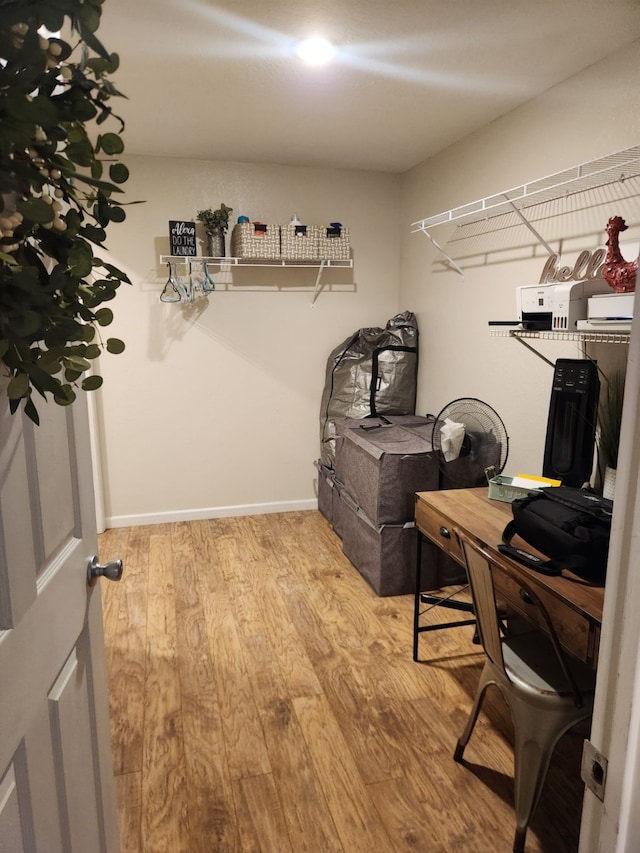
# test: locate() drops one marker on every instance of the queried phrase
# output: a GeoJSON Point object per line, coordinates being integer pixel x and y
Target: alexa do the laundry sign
{"type": "Point", "coordinates": [183, 238]}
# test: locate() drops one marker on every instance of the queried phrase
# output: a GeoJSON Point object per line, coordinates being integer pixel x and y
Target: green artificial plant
{"type": "Point", "coordinates": [215, 218]}
{"type": "Point", "coordinates": [59, 187]}
{"type": "Point", "coordinates": [610, 418]}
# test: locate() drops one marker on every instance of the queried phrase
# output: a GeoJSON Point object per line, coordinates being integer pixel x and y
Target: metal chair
{"type": "Point", "coordinates": [546, 693]}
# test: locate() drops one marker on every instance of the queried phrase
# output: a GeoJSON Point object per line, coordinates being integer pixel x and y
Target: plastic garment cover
{"type": "Point", "coordinates": [372, 373]}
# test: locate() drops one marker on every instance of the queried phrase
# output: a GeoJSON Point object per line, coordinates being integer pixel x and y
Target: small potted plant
{"type": "Point", "coordinates": [215, 224]}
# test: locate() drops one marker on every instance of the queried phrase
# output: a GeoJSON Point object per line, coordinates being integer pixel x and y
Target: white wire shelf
{"type": "Point", "coordinates": [326, 263]}
{"type": "Point", "coordinates": [582, 336]}
{"type": "Point", "coordinates": [610, 169]}
{"type": "Point", "coordinates": [189, 277]}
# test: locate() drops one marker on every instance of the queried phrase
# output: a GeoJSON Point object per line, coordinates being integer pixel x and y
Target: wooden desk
{"type": "Point", "coordinates": [574, 605]}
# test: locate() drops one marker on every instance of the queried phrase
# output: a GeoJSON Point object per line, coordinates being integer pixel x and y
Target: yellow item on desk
{"type": "Point", "coordinates": [542, 481]}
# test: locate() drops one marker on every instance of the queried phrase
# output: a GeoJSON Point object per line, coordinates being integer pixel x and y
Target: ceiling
{"type": "Point", "coordinates": [219, 80]}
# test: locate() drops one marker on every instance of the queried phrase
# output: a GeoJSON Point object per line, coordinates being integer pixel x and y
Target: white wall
{"type": "Point", "coordinates": [214, 409]}
{"type": "Point", "coordinates": [589, 116]}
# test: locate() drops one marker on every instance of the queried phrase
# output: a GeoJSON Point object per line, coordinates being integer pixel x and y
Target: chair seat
{"type": "Point", "coordinates": [532, 664]}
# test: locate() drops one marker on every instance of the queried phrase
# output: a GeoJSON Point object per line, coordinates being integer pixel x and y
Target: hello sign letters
{"type": "Point", "coordinates": [588, 265]}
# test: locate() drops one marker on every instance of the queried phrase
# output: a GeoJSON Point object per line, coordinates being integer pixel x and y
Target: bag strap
{"type": "Point", "coordinates": [545, 567]}
{"type": "Point", "coordinates": [373, 391]}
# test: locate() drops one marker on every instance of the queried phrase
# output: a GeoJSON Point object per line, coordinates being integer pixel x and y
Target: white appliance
{"type": "Point", "coordinates": [610, 307]}
{"type": "Point", "coordinates": [556, 307]}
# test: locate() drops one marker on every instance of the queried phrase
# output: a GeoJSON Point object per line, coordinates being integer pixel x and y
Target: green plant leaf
{"type": "Point", "coordinates": [104, 186]}
{"type": "Point", "coordinates": [80, 259]}
{"type": "Point", "coordinates": [31, 412]}
{"type": "Point", "coordinates": [116, 214]}
{"type": "Point", "coordinates": [118, 173]}
{"type": "Point", "coordinates": [115, 346]}
{"type": "Point", "coordinates": [18, 387]}
{"type": "Point", "coordinates": [91, 383]}
{"type": "Point", "coordinates": [104, 316]}
{"type": "Point", "coordinates": [110, 143]}
{"type": "Point", "coordinates": [35, 210]}
{"type": "Point", "coordinates": [80, 153]}
{"type": "Point", "coordinates": [42, 379]}
{"type": "Point", "coordinates": [72, 374]}
{"type": "Point", "coordinates": [113, 271]}
{"type": "Point", "coordinates": [96, 235]}
{"type": "Point", "coordinates": [65, 395]}
{"type": "Point", "coordinates": [76, 362]}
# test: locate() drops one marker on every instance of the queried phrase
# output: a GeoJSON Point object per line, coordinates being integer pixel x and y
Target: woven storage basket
{"type": "Point", "coordinates": [333, 244]}
{"type": "Point", "coordinates": [299, 242]}
{"type": "Point", "coordinates": [256, 241]}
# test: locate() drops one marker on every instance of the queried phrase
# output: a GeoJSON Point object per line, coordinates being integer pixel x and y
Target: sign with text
{"type": "Point", "coordinates": [588, 266]}
{"type": "Point", "coordinates": [183, 238]}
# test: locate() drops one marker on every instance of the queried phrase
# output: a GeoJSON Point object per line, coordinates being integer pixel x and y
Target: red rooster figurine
{"type": "Point", "coordinates": [618, 273]}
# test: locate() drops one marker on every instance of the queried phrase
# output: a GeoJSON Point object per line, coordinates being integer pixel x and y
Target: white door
{"type": "Point", "coordinates": [56, 779]}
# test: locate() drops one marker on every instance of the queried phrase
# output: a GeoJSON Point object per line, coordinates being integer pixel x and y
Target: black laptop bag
{"type": "Point", "coordinates": [570, 526]}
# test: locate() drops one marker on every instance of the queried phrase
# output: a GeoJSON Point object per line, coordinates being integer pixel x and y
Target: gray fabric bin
{"type": "Point", "coordinates": [326, 491]}
{"type": "Point", "coordinates": [423, 425]}
{"type": "Point", "coordinates": [385, 555]}
{"type": "Point", "coordinates": [382, 466]}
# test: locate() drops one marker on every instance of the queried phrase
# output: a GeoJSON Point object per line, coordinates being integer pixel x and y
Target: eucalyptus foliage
{"type": "Point", "coordinates": [60, 188]}
{"type": "Point", "coordinates": [610, 418]}
{"type": "Point", "coordinates": [215, 218]}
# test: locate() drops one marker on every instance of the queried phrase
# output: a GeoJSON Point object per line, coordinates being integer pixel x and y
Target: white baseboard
{"type": "Point", "coordinates": [207, 512]}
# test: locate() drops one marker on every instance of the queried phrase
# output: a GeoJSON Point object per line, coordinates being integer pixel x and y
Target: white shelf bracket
{"type": "Point", "coordinates": [534, 350]}
{"type": "Point", "coordinates": [316, 290]}
{"type": "Point", "coordinates": [442, 251]}
{"type": "Point", "coordinates": [526, 222]}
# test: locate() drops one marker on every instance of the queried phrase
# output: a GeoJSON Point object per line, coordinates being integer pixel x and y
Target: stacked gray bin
{"type": "Point", "coordinates": [369, 499]}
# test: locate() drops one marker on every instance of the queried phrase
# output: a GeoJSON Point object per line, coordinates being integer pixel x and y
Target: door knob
{"type": "Point", "coordinates": [111, 571]}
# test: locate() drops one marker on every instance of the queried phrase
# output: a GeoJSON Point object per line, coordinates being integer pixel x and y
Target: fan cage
{"type": "Point", "coordinates": [485, 446]}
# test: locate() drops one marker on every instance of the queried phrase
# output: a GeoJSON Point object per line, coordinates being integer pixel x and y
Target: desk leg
{"type": "Point", "coordinates": [416, 602]}
{"type": "Point", "coordinates": [434, 601]}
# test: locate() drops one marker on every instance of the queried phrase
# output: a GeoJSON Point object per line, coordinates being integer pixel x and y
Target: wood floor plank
{"type": "Point", "coordinates": [260, 816]}
{"type": "Point", "coordinates": [357, 821]}
{"type": "Point", "coordinates": [211, 809]}
{"type": "Point", "coordinates": [165, 827]}
{"type": "Point", "coordinates": [112, 546]}
{"type": "Point", "coordinates": [129, 797]}
{"type": "Point", "coordinates": [286, 642]}
{"type": "Point", "coordinates": [243, 735]}
{"type": "Point", "coordinates": [309, 822]}
{"type": "Point", "coordinates": [127, 642]}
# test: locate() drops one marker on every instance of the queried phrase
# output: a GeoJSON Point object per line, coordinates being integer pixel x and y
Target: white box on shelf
{"type": "Point", "coordinates": [611, 307]}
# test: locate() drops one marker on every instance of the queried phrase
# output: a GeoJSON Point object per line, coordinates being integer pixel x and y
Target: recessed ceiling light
{"type": "Point", "coordinates": [315, 51]}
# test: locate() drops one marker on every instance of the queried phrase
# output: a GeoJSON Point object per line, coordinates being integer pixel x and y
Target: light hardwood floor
{"type": "Point", "coordinates": [264, 699]}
